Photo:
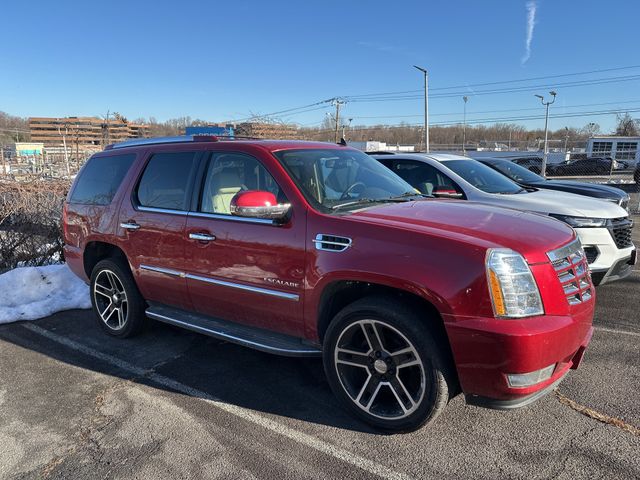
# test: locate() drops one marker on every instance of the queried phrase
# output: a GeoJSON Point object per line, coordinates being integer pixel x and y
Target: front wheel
{"type": "Point", "coordinates": [116, 301]}
{"type": "Point", "coordinates": [385, 365]}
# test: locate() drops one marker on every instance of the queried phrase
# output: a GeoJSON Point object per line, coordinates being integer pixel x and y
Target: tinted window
{"type": "Point", "coordinates": [423, 176]}
{"type": "Point", "coordinates": [166, 180]}
{"type": "Point", "coordinates": [483, 177]}
{"type": "Point", "coordinates": [230, 173]}
{"type": "Point", "coordinates": [516, 172]}
{"type": "Point", "coordinates": [100, 179]}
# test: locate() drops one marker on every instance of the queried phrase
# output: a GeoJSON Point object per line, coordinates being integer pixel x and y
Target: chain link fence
{"type": "Point", "coordinates": [50, 164]}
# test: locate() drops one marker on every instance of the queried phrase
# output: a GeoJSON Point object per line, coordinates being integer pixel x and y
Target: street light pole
{"type": "Point", "coordinates": [543, 168]}
{"type": "Point", "coordinates": [566, 139]}
{"type": "Point", "coordinates": [426, 107]}
{"type": "Point", "coordinates": [464, 126]}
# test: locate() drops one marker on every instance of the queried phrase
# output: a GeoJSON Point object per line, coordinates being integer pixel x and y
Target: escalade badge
{"type": "Point", "coordinates": [282, 283]}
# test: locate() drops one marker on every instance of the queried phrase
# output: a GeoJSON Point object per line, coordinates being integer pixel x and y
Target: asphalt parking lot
{"type": "Point", "coordinates": [75, 403]}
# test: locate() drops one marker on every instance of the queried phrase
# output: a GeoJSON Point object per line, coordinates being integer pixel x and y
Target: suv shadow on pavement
{"type": "Point", "coordinates": [287, 387]}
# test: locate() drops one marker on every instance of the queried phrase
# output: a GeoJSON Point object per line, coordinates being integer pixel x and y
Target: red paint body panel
{"type": "Point", "coordinates": [257, 255]}
{"type": "Point", "coordinates": [433, 248]}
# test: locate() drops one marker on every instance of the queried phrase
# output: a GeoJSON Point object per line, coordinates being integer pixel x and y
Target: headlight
{"type": "Point", "coordinates": [581, 222]}
{"type": "Point", "coordinates": [514, 292]}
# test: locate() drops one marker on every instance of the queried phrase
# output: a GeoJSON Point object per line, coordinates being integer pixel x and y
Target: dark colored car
{"type": "Point", "coordinates": [636, 175]}
{"type": "Point", "coordinates": [312, 249]}
{"type": "Point", "coordinates": [533, 164]}
{"type": "Point", "coordinates": [584, 167]}
{"type": "Point", "coordinates": [527, 178]}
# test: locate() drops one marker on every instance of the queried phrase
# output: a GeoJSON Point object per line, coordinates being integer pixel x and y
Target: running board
{"type": "Point", "coordinates": [252, 337]}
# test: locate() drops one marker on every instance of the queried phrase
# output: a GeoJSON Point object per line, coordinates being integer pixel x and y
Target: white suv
{"type": "Point", "coordinates": [604, 228]}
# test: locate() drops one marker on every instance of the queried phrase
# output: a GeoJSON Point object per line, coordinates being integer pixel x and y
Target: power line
{"type": "Point", "coordinates": [497, 111]}
{"type": "Point", "coordinates": [502, 119]}
{"type": "Point", "coordinates": [283, 111]}
{"type": "Point", "coordinates": [528, 88]}
{"type": "Point", "coordinates": [405, 95]}
{"type": "Point", "coordinates": [502, 82]}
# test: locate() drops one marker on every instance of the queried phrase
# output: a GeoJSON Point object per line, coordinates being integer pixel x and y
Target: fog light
{"type": "Point", "coordinates": [520, 380]}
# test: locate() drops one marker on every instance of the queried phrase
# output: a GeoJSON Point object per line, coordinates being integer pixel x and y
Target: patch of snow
{"type": "Point", "coordinates": [29, 293]}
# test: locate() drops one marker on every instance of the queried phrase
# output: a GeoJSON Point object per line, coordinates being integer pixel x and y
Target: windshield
{"type": "Point", "coordinates": [516, 172]}
{"type": "Point", "coordinates": [330, 178]}
{"type": "Point", "coordinates": [483, 177]}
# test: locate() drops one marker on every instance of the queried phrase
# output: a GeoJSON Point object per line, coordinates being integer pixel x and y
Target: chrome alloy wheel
{"type": "Point", "coordinates": [110, 299]}
{"type": "Point", "coordinates": [380, 369]}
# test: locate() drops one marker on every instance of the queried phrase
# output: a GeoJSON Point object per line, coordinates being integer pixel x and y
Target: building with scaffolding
{"type": "Point", "coordinates": [82, 133]}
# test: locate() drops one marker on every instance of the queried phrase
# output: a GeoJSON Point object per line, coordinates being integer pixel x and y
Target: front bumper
{"type": "Point", "coordinates": [610, 262]}
{"type": "Point", "coordinates": [486, 350]}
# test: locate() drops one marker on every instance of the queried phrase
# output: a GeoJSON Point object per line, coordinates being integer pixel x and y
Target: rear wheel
{"type": "Point", "coordinates": [385, 365]}
{"type": "Point", "coordinates": [116, 301]}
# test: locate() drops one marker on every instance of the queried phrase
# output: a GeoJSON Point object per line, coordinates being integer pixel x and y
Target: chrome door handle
{"type": "Point", "coordinates": [130, 226]}
{"type": "Point", "coordinates": [203, 237]}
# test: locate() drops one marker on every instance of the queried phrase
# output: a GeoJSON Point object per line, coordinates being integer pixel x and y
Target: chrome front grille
{"type": "Point", "coordinates": [570, 263]}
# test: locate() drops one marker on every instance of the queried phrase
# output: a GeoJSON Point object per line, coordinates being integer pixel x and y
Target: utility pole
{"type": "Point", "coordinates": [543, 168]}
{"type": "Point", "coordinates": [566, 139]}
{"type": "Point", "coordinates": [5, 170]}
{"type": "Point", "coordinates": [344, 126]}
{"type": "Point", "coordinates": [464, 126]}
{"type": "Point", "coordinates": [338, 103]}
{"type": "Point", "coordinates": [426, 106]}
{"type": "Point", "coordinates": [106, 125]}
{"type": "Point", "coordinates": [64, 143]}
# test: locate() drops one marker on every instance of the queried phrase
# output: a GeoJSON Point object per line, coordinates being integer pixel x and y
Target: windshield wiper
{"type": "Point", "coordinates": [512, 193]}
{"type": "Point", "coordinates": [407, 195]}
{"type": "Point", "coordinates": [399, 198]}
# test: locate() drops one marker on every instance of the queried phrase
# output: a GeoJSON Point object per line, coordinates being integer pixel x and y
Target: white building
{"type": "Point", "coordinates": [619, 148]}
{"type": "Point", "coordinates": [372, 146]}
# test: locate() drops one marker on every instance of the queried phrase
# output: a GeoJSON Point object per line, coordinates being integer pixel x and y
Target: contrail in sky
{"type": "Point", "coordinates": [531, 22]}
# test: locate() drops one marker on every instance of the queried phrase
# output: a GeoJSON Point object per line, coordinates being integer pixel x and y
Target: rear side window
{"type": "Point", "coordinates": [166, 181]}
{"type": "Point", "coordinates": [100, 178]}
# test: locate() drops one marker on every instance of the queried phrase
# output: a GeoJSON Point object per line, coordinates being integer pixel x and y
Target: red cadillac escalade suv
{"type": "Point", "coordinates": [314, 249]}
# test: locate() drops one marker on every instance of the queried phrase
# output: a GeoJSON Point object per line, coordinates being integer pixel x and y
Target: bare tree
{"type": "Point", "coordinates": [627, 126]}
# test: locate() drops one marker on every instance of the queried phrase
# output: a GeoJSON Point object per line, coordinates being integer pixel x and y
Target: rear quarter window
{"type": "Point", "coordinates": [100, 179]}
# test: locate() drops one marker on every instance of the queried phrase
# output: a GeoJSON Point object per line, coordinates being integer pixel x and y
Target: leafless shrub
{"type": "Point", "coordinates": [30, 216]}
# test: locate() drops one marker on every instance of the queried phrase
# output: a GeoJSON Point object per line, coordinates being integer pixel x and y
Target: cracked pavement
{"type": "Point", "coordinates": [173, 404]}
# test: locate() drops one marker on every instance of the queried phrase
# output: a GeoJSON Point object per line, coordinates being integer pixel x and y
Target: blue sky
{"type": "Point", "coordinates": [228, 60]}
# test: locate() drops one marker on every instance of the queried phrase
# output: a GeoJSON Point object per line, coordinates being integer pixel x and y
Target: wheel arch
{"type": "Point", "coordinates": [338, 294]}
{"type": "Point", "coordinates": [95, 251]}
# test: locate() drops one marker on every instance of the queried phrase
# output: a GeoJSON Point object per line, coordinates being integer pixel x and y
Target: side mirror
{"type": "Point", "coordinates": [446, 192]}
{"type": "Point", "coordinates": [258, 204]}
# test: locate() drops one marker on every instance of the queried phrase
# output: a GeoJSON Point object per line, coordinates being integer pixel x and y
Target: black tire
{"type": "Point", "coordinates": [403, 328]}
{"type": "Point", "coordinates": [126, 316]}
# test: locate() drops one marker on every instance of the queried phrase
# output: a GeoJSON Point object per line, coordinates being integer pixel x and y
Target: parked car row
{"type": "Point", "coordinates": [527, 178]}
{"type": "Point", "coordinates": [580, 166]}
{"type": "Point", "coordinates": [314, 249]}
{"type": "Point", "coordinates": [604, 228]}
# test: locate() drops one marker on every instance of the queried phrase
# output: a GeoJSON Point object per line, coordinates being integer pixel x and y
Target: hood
{"type": "Point", "coordinates": [590, 189]}
{"type": "Point", "coordinates": [553, 201]}
{"type": "Point", "coordinates": [485, 226]}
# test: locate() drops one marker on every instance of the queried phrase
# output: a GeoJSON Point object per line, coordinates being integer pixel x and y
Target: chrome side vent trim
{"type": "Point", "coordinates": [332, 243]}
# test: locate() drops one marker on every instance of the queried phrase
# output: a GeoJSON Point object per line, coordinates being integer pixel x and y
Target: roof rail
{"type": "Point", "coordinates": [159, 140]}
